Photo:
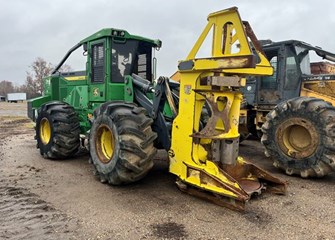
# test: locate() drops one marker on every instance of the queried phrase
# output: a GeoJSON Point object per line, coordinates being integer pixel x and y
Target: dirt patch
{"type": "Point", "coordinates": [14, 125]}
{"type": "Point", "coordinates": [24, 215]}
{"type": "Point", "coordinates": [44, 199]}
{"type": "Point", "coordinates": [169, 230]}
{"type": "Point", "coordinates": [258, 217]}
{"type": "Point", "coordinates": [13, 109]}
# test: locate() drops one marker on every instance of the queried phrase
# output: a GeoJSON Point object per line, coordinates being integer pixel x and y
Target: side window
{"type": "Point", "coordinates": [144, 61]}
{"type": "Point", "coordinates": [291, 74]}
{"type": "Point", "coordinates": [98, 62]}
{"type": "Point", "coordinates": [143, 66]}
{"type": "Point", "coordinates": [270, 82]}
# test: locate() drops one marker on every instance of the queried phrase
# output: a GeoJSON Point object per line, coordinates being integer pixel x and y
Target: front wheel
{"type": "Point", "coordinates": [57, 130]}
{"type": "Point", "coordinates": [300, 136]}
{"type": "Point", "coordinates": [121, 143]}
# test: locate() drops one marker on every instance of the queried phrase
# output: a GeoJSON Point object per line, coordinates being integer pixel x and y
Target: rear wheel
{"type": "Point", "coordinates": [57, 130]}
{"type": "Point", "coordinates": [300, 136]}
{"type": "Point", "coordinates": [121, 143]}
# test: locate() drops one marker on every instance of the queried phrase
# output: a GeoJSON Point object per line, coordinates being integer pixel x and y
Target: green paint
{"type": "Point", "coordinates": [90, 92]}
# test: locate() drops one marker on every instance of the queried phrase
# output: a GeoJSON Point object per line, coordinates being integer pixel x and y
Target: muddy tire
{"type": "Point", "coordinates": [57, 130]}
{"type": "Point", "coordinates": [299, 135]}
{"type": "Point", "coordinates": [121, 143]}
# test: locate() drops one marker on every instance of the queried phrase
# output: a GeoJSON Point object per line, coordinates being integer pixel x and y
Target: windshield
{"type": "Point", "coordinates": [130, 57]}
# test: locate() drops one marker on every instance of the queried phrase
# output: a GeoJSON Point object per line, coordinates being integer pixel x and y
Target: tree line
{"type": "Point", "coordinates": [34, 84]}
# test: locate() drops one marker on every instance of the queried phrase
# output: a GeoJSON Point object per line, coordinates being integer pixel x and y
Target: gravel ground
{"type": "Point", "coordinates": [44, 199]}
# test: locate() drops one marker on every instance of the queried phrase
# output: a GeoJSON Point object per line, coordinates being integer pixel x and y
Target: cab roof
{"type": "Point", "coordinates": [120, 34]}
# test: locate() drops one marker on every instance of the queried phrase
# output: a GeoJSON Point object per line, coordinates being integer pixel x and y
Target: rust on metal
{"type": "Point", "coordinates": [270, 96]}
{"type": "Point", "coordinates": [254, 180]}
{"type": "Point", "coordinates": [244, 180]}
{"type": "Point", "coordinates": [223, 81]}
{"type": "Point", "coordinates": [207, 179]}
{"type": "Point", "coordinates": [170, 98]}
{"type": "Point", "coordinates": [210, 131]}
{"type": "Point", "coordinates": [298, 138]}
{"type": "Point", "coordinates": [247, 61]}
{"type": "Point", "coordinates": [322, 68]}
{"type": "Point", "coordinates": [220, 200]}
{"type": "Point", "coordinates": [250, 33]}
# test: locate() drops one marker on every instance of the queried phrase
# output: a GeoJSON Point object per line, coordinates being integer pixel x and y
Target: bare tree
{"type": "Point", "coordinates": [6, 87]}
{"type": "Point", "coordinates": [65, 68]}
{"type": "Point", "coordinates": [34, 81]}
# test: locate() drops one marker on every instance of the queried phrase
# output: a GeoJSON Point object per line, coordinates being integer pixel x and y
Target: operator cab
{"type": "Point", "coordinates": [109, 56]}
{"type": "Point", "coordinates": [291, 63]}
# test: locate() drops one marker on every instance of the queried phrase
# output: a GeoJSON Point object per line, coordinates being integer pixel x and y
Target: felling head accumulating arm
{"type": "Point", "coordinates": [207, 164]}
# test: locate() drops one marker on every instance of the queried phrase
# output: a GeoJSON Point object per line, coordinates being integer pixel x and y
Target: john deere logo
{"type": "Point", "coordinates": [95, 92]}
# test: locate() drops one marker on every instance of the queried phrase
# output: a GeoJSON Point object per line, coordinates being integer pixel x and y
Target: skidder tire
{"type": "Point", "coordinates": [300, 136]}
{"type": "Point", "coordinates": [121, 143]}
{"type": "Point", "coordinates": [57, 130]}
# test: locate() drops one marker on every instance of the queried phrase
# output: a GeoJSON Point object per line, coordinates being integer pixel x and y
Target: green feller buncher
{"type": "Point", "coordinates": [126, 115]}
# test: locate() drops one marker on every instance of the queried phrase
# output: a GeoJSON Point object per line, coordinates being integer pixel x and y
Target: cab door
{"type": "Point", "coordinates": [269, 87]}
{"type": "Point", "coordinates": [97, 73]}
{"type": "Point", "coordinates": [292, 78]}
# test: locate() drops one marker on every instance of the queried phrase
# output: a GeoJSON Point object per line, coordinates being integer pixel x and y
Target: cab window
{"type": "Point", "coordinates": [98, 63]}
{"type": "Point", "coordinates": [130, 57]}
{"type": "Point", "coordinates": [291, 72]}
{"type": "Point", "coordinates": [270, 82]}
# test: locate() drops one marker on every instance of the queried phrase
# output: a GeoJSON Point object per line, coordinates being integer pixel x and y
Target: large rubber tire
{"type": "Point", "coordinates": [121, 143]}
{"type": "Point", "coordinates": [299, 134]}
{"type": "Point", "coordinates": [57, 130]}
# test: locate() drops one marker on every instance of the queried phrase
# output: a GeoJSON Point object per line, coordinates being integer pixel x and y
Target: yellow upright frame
{"type": "Point", "coordinates": [231, 57]}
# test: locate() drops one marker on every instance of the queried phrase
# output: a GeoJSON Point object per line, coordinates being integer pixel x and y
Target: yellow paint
{"type": "Point", "coordinates": [75, 78]}
{"type": "Point", "coordinates": [175, 76]}
{"type": "Point", "coordinates": [188, 157]}
{"type": "Point", "coordinates": [235, 35]}
{"type": "Point", "coordinates": [319, 89]}
{"type": "Point", "coordinates": [45, 131]}
{"type": "Point", "coordinates": [105, 143]}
